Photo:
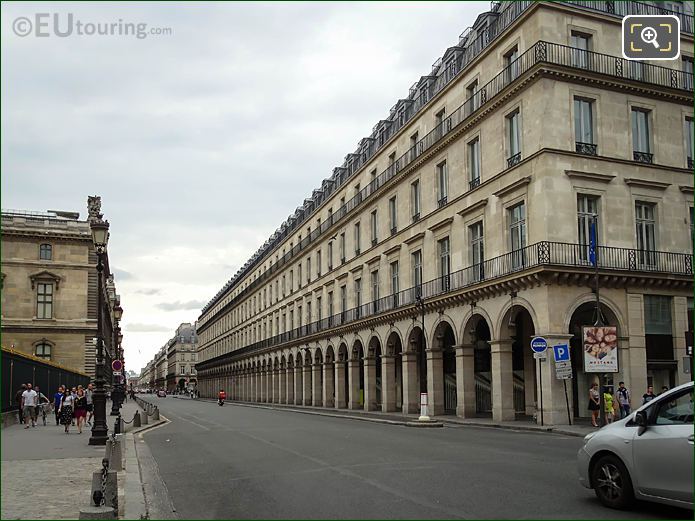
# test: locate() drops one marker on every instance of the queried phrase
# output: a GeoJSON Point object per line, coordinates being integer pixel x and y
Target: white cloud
{"type": "Point", "coordinates": [202, 142]}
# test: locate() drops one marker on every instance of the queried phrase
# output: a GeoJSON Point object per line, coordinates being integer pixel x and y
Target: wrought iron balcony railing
{"type": "Point", "coordinates": [540, 53]}
{"type": "Point", "coordinates": [475, 182]}
{"type": "Point", "coordinates": [643, 157]}
{"type": "Point", "coordinates": [588, 149]}
{"type": "Point", "coordinates": [551, 254]}
{"type": "Point", "coordinates": [441, 202]}
{"type": "Point", "coordinates": [514, 160]}
{"type": "Point", "coordinates": [690, 163]}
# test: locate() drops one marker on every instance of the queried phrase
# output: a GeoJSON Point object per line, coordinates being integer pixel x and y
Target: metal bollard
{"type": "Point", "coordinates": [145, 421]}
{"type": "Point", "coordinates": [136, 419]}
{"type": "Point", "coordinates": [155, 414]}
{"type": "Point", "coordinates": [116, 460]}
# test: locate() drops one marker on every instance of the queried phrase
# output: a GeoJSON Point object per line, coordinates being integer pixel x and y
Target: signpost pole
{"type": "Point", "coordinates": [567, 401]}
{"type": "Point", "coordinates": [540, 384]}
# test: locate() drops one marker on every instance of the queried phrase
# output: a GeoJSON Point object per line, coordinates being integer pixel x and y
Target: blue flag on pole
{"type": "Point", "coordinates": [592, 242]}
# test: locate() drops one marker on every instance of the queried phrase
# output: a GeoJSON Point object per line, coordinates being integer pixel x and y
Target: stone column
{"type": "Point", "coordinates": [502, 380]}
{"type": "Point", "coordinates": [354, 386]}
{"type": "Point", "coordinates": [289, 395]}
{"type": "Point", "coordinates": [262, 387]}
{"type": "Point", "coordinates": [411, 386]}
{"type": "Point", "coordinates": [298, 385]}
{"type": "Point", "coordinates": [388, 383]}
{"type": "Point", "coordinates": [370, 384]}
{"type": "Point", "coordinates": [634, 366]}
{"type": "Point", "coordinates": [282, 398]}
{"type": "Point", "coordinates": [680, 326]}
{"type": "Point", "coordinates": [435, 382]}
{"type": "Point", "coordinates": [340, 398]}
{"type": "Point", "coordinates": [465, 381]}
{"type": "Point", "coordinates": [307, 385]}
{"type": "Point", "coordinates": [317, 387]}
{"type": "Point", "coordinates": [328, 384]}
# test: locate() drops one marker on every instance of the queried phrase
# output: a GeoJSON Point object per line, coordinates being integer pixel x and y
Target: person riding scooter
{"type": "Point", "coordinates": [221, 397]}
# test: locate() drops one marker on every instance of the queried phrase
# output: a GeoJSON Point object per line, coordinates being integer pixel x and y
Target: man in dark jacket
{"type": "Point", "coordinates": [18, 401]}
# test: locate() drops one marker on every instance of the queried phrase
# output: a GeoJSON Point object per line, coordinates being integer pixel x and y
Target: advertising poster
{"type": "Point", "coordinates": [600, 349]}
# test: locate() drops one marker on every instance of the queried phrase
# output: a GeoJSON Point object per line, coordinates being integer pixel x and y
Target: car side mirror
{"type": "Point", "coordinates": [641, 421]}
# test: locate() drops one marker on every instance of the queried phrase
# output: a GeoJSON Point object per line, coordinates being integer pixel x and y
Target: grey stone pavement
{"type": "Point", "coordinates": [241, 462]}
{"type": "Point", "coordinates": [44, 456]}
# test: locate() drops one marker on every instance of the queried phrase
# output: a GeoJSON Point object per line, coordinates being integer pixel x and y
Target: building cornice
{"type": "Point", "coordinates": [513, 186]}
{"type": "Point", "coordinates": [590, 176]}
{"type": "Point", "coordinates": [646, 183]}
{"type": "Point", "coordinates": [414, 238]}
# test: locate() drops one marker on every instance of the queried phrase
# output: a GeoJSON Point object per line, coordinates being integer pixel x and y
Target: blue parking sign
{"type": "Point", "coordinates": [561, 352]}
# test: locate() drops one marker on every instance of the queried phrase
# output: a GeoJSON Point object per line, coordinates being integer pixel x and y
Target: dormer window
{"type": "Point", "coordinates": [46, 252]}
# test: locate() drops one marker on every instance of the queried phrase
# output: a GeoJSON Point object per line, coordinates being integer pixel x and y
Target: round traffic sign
{"type": "Point", "coordinates": [539, 344]}
{"type": "Point", "coordinates": [116, 365]}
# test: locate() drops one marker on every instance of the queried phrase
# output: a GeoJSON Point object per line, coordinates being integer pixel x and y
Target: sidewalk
{"type": "Point", "coordinates": [579, 430]}
{"type": "Point", "coordinates": [48, 454]}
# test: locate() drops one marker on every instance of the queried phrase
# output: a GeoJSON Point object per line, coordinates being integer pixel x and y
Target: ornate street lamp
{"type": "Point", "coordinates": [116, 396]}
{"type": "Point", "coordinates": [100, 431]}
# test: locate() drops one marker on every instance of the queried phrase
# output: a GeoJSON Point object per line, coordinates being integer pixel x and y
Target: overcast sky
{"type": "Point", "coordinates": [200, 142]}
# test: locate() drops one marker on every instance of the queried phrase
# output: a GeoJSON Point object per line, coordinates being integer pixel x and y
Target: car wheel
{"type": "Point", "coordinates": [612, 483]}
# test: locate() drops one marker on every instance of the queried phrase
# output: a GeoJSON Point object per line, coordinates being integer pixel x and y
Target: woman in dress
{"type": "Point", "coordinates": [594, 404]}
{"type": "Point", "coordinates": [80, 408]}
{"type": "Point", "coordinates": [66, 407]}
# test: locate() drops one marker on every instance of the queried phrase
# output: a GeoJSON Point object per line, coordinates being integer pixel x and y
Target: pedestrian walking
{"type": "Point", "coordinates": [649, 395]}
{"type": "Point", "coordinates": [74, 395]}
{"type": "Point", "coordinates": [664, 389]}
{"type": "Point", "coordinates": [57, 397]}
{"type": "Point", "coordinates": [608, 405]}
{"type": "Point", "coordinates": [67, 404]}
{"type": "Point", "coordinates": [29, 401]}
{"type": "Point", "coordinates": [594, 404]}
{"type": "Point", "coordinates": [623, 399]}
{"type": "Point", "coordinates": [18, 401]}
{"type": "Point", "coordinates": [89, 394]}
{"type": "Point", "coordinates": [41, 401]}
{"type": "Point", "coordinates": [80, 408]}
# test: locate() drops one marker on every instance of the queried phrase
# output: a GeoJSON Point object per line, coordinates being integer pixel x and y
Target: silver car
{"type": "Point", "coordinates": [648, 455]}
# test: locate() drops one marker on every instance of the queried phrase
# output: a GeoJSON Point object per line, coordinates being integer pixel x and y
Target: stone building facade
{"type": "Point", "coordinates": [49, 289]}
{"type": "Point", "coordinates": [459, 229]}
{"type": "Point", "coordinates": [181, 359]}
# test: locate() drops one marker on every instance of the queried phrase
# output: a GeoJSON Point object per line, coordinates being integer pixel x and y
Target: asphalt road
{"type": "Point", "coordinates": [251, 463]}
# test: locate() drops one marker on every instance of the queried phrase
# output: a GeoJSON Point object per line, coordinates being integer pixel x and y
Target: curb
{"type": "Point", "coordinates": [134, 499]}
{"type": "Point", "coordinates": [408, 423]}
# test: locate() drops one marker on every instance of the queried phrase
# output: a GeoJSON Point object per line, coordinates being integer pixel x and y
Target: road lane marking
{"type": "Point", "coordinates": [191, 422]}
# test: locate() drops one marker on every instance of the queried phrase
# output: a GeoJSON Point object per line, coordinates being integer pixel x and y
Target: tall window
{"type": "Point", "coordinates": [44, 300]}
{"type": "Point", "coordinates": [687, 67]}
{"type": "Point", "coordinates": [343, 301]}
{"type": "Point", "coordinates": [584, 126]}
{"type": "Point", "coordinates": [45, 252]}
{"type": "Point", "coordinates": [444, 262]}
{"type": "Point", "coordinates": [439, 122]}
{"type": "Point", "coordinates": [299, 316]}
{"type": "Point", "coordinates": [475, 234]}
{"type": "Point", "coordinates": [291, 283]}
{"type": "Point", "coordinates": [299, 277]}
{"type": "Point", "coordinates": [641, 142]}
{"type": "Point", "coordinates": [511, 64]}
{"type": "Point", "coordinates": [357, 238]}
{"type": "Point", "coordinates": [375, 289]}
{"type": "Point", "coordinates": [393, 216]}
{"type": "Point", "coordinates": [580, 44]}
{"type": "Point", "coordinates": [319, 311]}
{"type": "Point", "coordinates": [474, 163]}
{"type": "Point", "coordinates": [342, 247]}
{"type": "Point", "coordinates": [330, 307]}
{"type": "Point", "coordinates": [517, 234]}
{"type": "Point", "coordinates": [473, 96]}
{"type": "Point", "coordinates": [308, 312]}
{"type": "Point", "coordinates": [415, 199]}
{"type": "Point", "coordinates": [283, 291]}
{"type": "Point", "coordinates": [689, 136]}
{"type": "Point", "coordinates": [413, 146]}
{"type": "Point", "coordinates": [587, 207]}
{"type": "Point", "coordinates": [318, 263]}
{"type": "Point", "coordinates": [291, 319]}
{"type": "Point", "coordinates": [373, 226]}
{"type": "Point", "coordinates": [645, 222]}
{"type": "Point", "coordinates": [330, 255]}
{"type": "Point", "coordinates": [442, 183]}
{"type": "Point", "coordinates": [358, 294]}
{"type": "Point", "coordinates": [513, 138]}
{"type": "Point", "coordinates": [394, 282]}
{"type": "Point", "coordinates": [416, 260]}
{"type": "Point", "coordinates": [358, 193]}
{"type": "Point", "coordinates": [43, 350]}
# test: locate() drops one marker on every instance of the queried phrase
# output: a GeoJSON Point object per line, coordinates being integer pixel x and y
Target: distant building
{"type": "Point", "coordinates": [181, 358]}
{"type": "Point", "coordinates": [49, 289]}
